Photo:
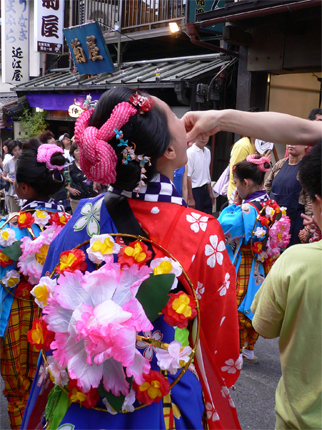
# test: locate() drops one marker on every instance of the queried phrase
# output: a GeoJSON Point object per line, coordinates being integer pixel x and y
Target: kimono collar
{"type": "Point", "coordinates": [46, 204]}
{"type": "Point", "coordinates": [159, 189]}
{"type": "Point", "coordinates": [258, 196]}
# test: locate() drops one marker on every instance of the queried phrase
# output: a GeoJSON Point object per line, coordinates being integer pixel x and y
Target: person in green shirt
{"type": "Point", "coordinates": [288, 306]}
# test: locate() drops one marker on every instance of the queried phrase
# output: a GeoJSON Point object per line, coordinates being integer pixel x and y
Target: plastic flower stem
{"type": "Point", "coordinates": [152, 342]}
{"type": "Point", "coordinates": [31, 232]}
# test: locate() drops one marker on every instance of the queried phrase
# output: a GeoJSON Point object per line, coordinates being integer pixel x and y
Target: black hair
{"type": "Point", "coordinates": [60, 144]}
{"type": "Point", "coordinates": [310, 171]}
{"type": "Point", "coordinates": [28, 170]}
{"type": "Point", "coordinates": [46, 136]}
{"type": "Point", "coordinates": [73, 148]}
{"type": "Point", "coordinates": [149, 132]}
{"type": "Point", "coordinates": [313, 113]}
{"type": "Point", "coordinates": [12, 144]}
{"type": "Point", "coordinates": [247, 170]}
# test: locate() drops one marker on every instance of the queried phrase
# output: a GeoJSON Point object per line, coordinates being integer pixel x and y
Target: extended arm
{"type": "Point", "coordinates": [269, 126]}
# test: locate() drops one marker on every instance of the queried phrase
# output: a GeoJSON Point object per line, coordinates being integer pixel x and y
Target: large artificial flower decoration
{"type": "Point", "coordinates": [179, 309]}
{"type": "Point", "coordinates": [70, 261]}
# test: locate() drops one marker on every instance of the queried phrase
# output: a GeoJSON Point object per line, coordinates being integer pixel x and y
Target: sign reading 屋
{"type": "Point", "coordinates": [49, 24]}
{"type": "Point", "coordinates": [15, 41]}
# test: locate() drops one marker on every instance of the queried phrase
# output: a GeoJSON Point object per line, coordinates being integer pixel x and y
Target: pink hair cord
{"type": "Point", "coordinates": [45, 152]}
{"type": "Point", "coordinates": [259, 161]}
{"type": "Point", "coordinates": [97, 158]}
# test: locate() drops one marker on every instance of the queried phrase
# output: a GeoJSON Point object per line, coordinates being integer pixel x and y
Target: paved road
{"type": "Point", "coordinates": [254, 395]}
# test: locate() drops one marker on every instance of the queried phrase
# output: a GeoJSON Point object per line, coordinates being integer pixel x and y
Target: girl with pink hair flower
{"type": "Point", "coordinates": [260, 231]}
{"type": "Point", "coordinates": [25, 239]}
{"type": "Point", "coordinates": [134, 143]}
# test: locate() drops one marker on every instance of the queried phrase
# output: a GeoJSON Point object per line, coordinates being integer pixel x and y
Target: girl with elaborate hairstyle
{"type": "Point", "coordinates": [248, 225]}
{"type": "Point", "coordinates": [134, 143]}
{"type": "Point", "coordinates": [24, 241]}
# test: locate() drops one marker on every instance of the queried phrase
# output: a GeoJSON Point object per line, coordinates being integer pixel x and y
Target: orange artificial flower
{"type": "Point", "coordinates": [135, 253]}
{"type": "Point", "coordinates": [154, 387]}
{"type": "Point", "coordinates": [25, 220]}
{"type": "Point", "coordinates": [40, 336]}
{"type": "Point", "coordinates": [4, 260]}
{"type": "Point", "coordinates": [179, 309]}
{"type": "Point", "coordinates": [89, 400]}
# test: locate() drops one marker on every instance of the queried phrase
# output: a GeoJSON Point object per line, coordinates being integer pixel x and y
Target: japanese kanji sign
{"type": "Point", "coordinates": [88, 49]}
{"type": "Point", "coordinates": [49, 19]}
{"type": "Point", "coordinates": [15, 41]}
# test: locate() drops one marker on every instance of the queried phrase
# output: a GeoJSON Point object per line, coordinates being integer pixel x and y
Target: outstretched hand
{"type": "Point", "coordinates": [204, 123]}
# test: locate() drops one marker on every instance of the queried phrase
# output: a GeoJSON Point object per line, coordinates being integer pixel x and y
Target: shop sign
{"type": "Point", "coordinates": [88, 49]}
{"type": "Point", "coordinates": [49, 24]}
{"type": "Point", "coordinates": [15, 41]}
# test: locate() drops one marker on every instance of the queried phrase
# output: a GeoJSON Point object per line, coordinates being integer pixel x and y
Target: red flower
{"type": "Point", "coordinates": [40, 336]}
{"type": "Point", "coordinates": [25, 220]}
{"type": "Point", "coordinates": [154, 387]}
{"type": "Point", "coordinates": [179, 309]}
{"type": "Point", "coordinates": [257, 247]}
{"type": "Point", "coordinates": [23, 289]}
{"type": "Point", "coordinates": [71, 261]}
{"type": "Point", "coordinates": [59, 218]}
{"type": "Point", "coordinates": [4, 260]}
{"type": "Point", "coordinates": [264, 221]}
{"type": "Point", "coordinates": [89, 400]}
{"type": "Point", "coordinates": [135, 253]}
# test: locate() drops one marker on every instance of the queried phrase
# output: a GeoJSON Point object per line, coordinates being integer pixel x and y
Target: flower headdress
{"type": "Point", "coordinates": [97, 157]}
{"type": "Point", "coordinates": [45, 152]}
{"type": "Point", "coordinates": [260, 162]}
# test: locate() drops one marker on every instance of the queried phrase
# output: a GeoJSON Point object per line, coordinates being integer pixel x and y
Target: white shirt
{"type": "Point", "coordinates": [198, 165]}
{"type": "Point", "coordinates": [67, 155]}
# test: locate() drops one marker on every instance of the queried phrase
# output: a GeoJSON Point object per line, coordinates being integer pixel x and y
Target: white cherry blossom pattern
{"type": "Point", "coordinates": [199, 290]}
{"type": "Point", "coordinates": [148, 349]}
{"type": "Point", "coordinates": [198, 222]}
{"type": "Point", "coordinates": [211, 412]}
{"type": "Point", "coordinates": [214, 251]}
{"type": "Point", "coordinates": [226, 394]}
{"type": "Point", "coordinates": [223, 289]}
{"type": "Point", "coordinates": [232, 366]}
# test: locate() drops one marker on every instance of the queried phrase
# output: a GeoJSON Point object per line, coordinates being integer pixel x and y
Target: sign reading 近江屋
{"type": "Point", "coordinates": [15, 41]}
{"type": "Point", "coordinates": [49, 25]}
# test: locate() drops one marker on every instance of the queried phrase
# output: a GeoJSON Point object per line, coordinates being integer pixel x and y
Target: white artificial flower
{"type": "Point", "coordinates": [102, 246]}
{"type": "Point", "coordinates": [166, 265]}
{"type": "Point", "coordinates": [173, 358]}
{"type": "Point", "coordinates": [58, 372]}
{"type": "Point", "coordinates": [11, 279]}
{"type": "Point", "coordinates": [44, 290]}
{"type": "Point", "coordinates": [109, 407]}
{"type": "Point", "coordinates": [41, 217]}
{"type": "Point", "coordinates": [128, 401]}
{"type": "Point", "coordinates": [260, 232]}
{"type": "Point", "coordinates": [7, 237]}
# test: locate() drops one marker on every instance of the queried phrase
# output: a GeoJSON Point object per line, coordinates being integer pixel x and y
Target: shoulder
{"type": "Point", "coordinates": [279, 164]}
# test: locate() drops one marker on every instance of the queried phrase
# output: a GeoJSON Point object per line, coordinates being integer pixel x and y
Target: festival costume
{"type": "Point", "coordinates": [18, 310]}
{"type": "Point", "coordinates": [197, 242]}
{"type": "Point", "coordinates": [244, 236]}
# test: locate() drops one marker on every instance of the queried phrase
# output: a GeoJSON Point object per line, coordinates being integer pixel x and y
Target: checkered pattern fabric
{"type": "Point", "coordinates": [159, 189]}
{"type": "Point", "coordinates": [18, 360]}
{"type": "Point", "coordinates": [247, 335]}
{"type": "Point", "coordinates": [50, 204]}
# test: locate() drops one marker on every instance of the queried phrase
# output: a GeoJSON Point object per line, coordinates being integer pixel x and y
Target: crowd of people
{"type": "Point", "coordinates": [139, 310]}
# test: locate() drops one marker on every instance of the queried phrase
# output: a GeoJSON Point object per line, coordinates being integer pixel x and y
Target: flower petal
{"type": "Point", "coordinates": [140, 365]}
{"type": "Point", "coordinates": [214, 241]}
{"type": "Point", "coordinates": [93, 227]}
{"type": "Point", "coordinates": [220, 258]}
{"type": "Point", "coordinates": [139, 319]}
{"type": "Point", "coordinates": [212, 261]}
{"type": "Point", "coordinates": [88, 375]}
{"type": "Point", "coordinates": [56, 316]}
{"type": "Point", "coordinates": [69, 292]}
{"type": "Point", "coordinates": [221, 246]}
{"type": "Point", "coordinates": [114, 377]}
{"type": "Point", "coordinates": [209, 250]}
{"type": "Point", "coordinates": [87, 209]}
{"type": "Point", "coordinates": [81, 223]}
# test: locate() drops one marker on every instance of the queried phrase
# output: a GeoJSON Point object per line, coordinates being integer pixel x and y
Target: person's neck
{"type": "Point", "coordinates": [293, 160]}
{"type": "Point", "coordinates": [254, 189]}
{"type": "Point", "coordinates": [200, 146]}
{"type": "Point", "coordinates": [67, 146]}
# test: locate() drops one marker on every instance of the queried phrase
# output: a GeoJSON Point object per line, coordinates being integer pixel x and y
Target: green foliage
{"type": "Point", "coordinates": [33, 123]}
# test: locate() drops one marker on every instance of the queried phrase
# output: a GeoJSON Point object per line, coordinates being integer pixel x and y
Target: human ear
{"type": "Point", "coordinates": [170, 153]}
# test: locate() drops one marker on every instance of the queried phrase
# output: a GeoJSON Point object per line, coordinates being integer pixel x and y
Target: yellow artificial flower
{"type": "Point", "coordinates": [41, 293]}
{"type": "Point", "coordinates": [152, 389]}
{"type": "Point", "coordinates": [77, 396]}
{"type": "Point", "coordinates": [37, 335]}
{"type": "Point", "coordinates": [163, 268]}
{"type": "Point", "coordinates": [105, 247]}
{"type": "Point", "coordinates": [136, 252]}
{"type": "Point", "coordinates": [42, 254]}
{"type": "Point", "coordinates": [181, 305]}
{"type": "Point", "coordinates": [66, 261]}
{"type": "Point", "coordinates": [5, 235]}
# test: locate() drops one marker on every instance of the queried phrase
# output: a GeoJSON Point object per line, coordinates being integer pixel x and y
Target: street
{"type": "Point", "coordinates": [254, 393]}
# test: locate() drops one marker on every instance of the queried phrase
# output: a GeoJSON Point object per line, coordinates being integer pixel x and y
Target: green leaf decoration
{"type": "Point", "coordinates": [13, 251]}
{"type": "Point", "coordinates": [278, 216]}
{"type": "Point", "coordinates": [115, 402]}
{"type": "Point", "coordinates": [153, 294]}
